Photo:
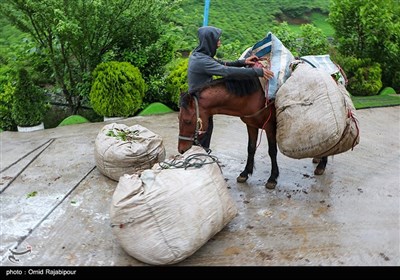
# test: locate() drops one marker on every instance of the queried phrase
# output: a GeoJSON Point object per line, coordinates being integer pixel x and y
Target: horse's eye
{"type": "Point", "coordinates": [187, 121]}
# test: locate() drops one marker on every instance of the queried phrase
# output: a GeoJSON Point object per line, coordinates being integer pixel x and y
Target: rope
{"type": "Point", "coordinates": [358, 129]}
{"type": "Point", "coordinates": [263, 127]}
{"type": "Point", "coordinates": [197, 160]}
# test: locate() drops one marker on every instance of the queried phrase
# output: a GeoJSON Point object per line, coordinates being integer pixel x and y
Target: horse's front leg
{"type": "Point", "coordinates": [252, 133]}
{"type": "Point", "coordinates": [319, 170]}
{"type": "Point", "coordinates": [272, 151]}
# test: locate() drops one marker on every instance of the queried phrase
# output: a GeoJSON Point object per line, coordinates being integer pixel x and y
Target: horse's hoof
{"type": "Point", "coordinates": [319, 171]}
{"type": "Point", "coordinates": [241, 179]}
{"type": "Point", "coordinates": [270, 185]}
{"type": "Point", "coordinates": [316, 160]}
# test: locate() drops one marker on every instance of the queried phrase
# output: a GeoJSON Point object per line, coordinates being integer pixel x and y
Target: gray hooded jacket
{"type": "Point", "coordinates": [202, 65]}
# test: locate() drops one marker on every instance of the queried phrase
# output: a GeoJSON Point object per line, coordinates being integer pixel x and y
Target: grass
{"type": "Point", "coordinates": [362, 102]}
{"type": "Point", "coordinates": [320, 21]}
{"type": "Point", "coordinates": [387, 97]}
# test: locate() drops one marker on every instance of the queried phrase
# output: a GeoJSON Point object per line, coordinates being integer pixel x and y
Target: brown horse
{"type": "Point", "coordinates": [241, 98]}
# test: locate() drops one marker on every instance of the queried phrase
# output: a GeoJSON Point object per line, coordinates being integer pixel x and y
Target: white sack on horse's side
{"type": "Point", "coordinates": [166, 215]}
{"type": "Point", "coordinates": [276, 57]}
{"type": "Point", "coordinates": [325, 63]}
{"type": "Point", "coordinates": [315, 115]}
{"type": "Point", "coordinates": [115, 157]}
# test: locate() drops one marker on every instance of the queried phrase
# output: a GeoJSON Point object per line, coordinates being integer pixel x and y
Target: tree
{"type": "Point", "coordinates": [370, 29]}
{"type": "Point", "coordinates": [287, 37]}
{"type": "Point", "coordinates": [77, 35]}
{"type": "Point", "coordinates": [314, 42]}
{"type": "Point", "coordinates": [29, 102]}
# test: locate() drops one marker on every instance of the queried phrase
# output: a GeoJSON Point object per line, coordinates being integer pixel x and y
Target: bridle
{"type": "Point", "coordinates": [199, 126]}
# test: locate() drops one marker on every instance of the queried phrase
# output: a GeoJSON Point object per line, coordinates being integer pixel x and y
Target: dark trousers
{"type": "Point", "coordinates": [206, 137]}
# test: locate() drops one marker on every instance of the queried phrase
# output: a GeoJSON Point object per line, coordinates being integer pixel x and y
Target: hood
{"type": "Point", "coordinates": [208, 39]}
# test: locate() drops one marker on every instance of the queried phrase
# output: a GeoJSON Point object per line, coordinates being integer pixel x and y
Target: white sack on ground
{"type": "Point", "coordinates": [120, 150]}
{"type": "Point", "coordinates": [166, 215]}
{"type": "Point", "coordinates": [315, 115]}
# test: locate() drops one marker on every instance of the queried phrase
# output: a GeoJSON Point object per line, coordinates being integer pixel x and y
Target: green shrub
{"type": "Point", "coordinates": [74, 119]}
{"type": "Point", "coordinates": [396, 81]}
{"type": "Point", "coordinates": [364, 76]}
{"type": "Point", "coordinates": [29, 101]}
{"type": "Point", "coordinates": [314, 42]}
{"type": "Point", "coordinates": [117, 90]}
{"type": "Point", "coordinates": [287, 37]}
{"type": "Point", "coordinates": [58, 114]}
{"type": "Point", "coordinates": [155, 91]}
{"type": "Point", "coordinates": [177, 80]}
{"type": "Point", "coordinates": [6, 98]}
{"type": "Point", "coordinates": [387, 91]}
{"type": "Point", "coordinates": [366, 81]}
{"type": "Point", "coordinates": [155, 108]}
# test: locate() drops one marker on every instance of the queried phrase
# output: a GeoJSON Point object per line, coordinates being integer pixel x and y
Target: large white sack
{"type": "Point", "coordinates": [315, 115]}
{"type": "Point", "coordinates": [115, 157]}
{"type": "Point", "coordinates": [165, 215]}
{"type": "Point", "coordinates": [275, 56]}
{"type": "Point", "coordinates": [325, 63]}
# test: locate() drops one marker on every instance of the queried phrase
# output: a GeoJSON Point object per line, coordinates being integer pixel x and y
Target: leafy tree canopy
{"type": "Point", "coordinates": [76, 35]}
{"type": "Point", "coordinates": [370, 29]}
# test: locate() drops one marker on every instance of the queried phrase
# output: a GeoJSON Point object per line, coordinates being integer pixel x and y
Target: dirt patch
{"type": "Point", "coordinates": [296, 21]}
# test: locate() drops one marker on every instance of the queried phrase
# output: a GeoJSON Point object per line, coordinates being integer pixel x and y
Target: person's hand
{"type": "Point", "coordinates": [267, 74]}
{"type": "Point", "coordinates": [251, 60]}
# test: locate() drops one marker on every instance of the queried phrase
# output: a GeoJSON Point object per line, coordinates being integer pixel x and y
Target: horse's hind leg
{"type": "Point", "coordinates": [251, 150]}
{"type": "Point", "coordinates": [272, 151]}
{"type": "Point", "coordinates": [319, 170]}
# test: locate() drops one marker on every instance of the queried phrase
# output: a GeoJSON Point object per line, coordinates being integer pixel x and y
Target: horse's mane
{"type": "Point", "coordinates": [240, 87]}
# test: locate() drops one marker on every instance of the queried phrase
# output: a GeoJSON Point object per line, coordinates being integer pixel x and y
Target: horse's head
{"type": "Point", "coordinates": [191, 124]}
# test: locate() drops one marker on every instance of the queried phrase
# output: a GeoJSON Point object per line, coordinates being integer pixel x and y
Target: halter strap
{"type": "Point", "coordinates": [198, 125]}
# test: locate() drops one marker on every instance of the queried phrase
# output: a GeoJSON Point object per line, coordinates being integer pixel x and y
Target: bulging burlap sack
{"type": "Point", "coordinates": [120, 150]}
{"type": "Point", "coordinates": [165, 215]}
{"type": "Point", "coordinates": [315, 115]}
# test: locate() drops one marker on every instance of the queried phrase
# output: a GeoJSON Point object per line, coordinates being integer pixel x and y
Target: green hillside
{"type": "Point", "coordinates": [246, 22]}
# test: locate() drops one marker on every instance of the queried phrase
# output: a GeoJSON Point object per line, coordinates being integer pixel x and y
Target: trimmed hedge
{"type": "Point", "coordinates": [29, 102]}
{"type": "Point", "coordinates": [118, 89]}
{"type": "Point", "coordinates": [176, 81]}
{"type": "Point", "coordinates": [6, 103]}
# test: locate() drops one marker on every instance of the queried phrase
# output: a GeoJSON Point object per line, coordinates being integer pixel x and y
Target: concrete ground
{"type": "Point", "coordinates": [55, 203]}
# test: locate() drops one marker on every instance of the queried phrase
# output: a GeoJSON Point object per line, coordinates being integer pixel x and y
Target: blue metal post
{"type": "Point", "coordinates": [206, 9]}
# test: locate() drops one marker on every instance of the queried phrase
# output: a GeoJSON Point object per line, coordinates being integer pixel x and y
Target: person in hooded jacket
{"type": "Point", "coordinates": [203, 66]}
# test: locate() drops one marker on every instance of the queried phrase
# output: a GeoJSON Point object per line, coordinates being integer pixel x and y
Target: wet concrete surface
{"type": "Point", "coordinates": [55, 203]}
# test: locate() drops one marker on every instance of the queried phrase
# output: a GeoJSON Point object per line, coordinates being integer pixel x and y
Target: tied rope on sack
{"type": "Point", "coordinates": [195, 161]}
